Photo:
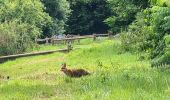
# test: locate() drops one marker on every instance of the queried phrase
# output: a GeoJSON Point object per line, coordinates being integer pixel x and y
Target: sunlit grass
{"type": "Point", "coordinates": [115, 75]}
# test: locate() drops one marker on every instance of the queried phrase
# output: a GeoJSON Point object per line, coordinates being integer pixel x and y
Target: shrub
{"type": "Point", "coordinates": [138, 35]}
{"type": "Point", "coordinates": [167, 40]}
{"type": "Point", "coordinates": [148, 33]}
{"type": "Point", "coordinates": [20, 23]}
{"type": "Point", "coordinates": [16, 38]}
{"type": "Point", "coordinates": [164, 59]}
{"type": "Point", "coordinates": [30, 11]}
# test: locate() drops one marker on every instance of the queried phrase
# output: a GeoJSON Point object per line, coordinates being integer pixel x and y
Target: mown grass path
{"type": "Point", "coordinates": [116, 76]}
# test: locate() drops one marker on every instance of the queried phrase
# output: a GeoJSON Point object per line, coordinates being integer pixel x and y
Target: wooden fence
{"type": "Point", "coordinates": [66, 40]}
{"type": "Point", "coordinates": [11, 57]}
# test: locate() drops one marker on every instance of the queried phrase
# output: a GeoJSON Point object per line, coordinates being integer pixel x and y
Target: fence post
{"type": "Point", "coordinates": [109, 34]}
{"type": "Point", "coordinates": [46, 41]}
{"type": "Point", "coordinates": [78, 40]}
{"type": "Point", "coordinates": [36, 40]}
{"type": "Point", "coordinates": [94, 37]}
{"type": "Point", "coordinates": [52, 42]}
{"type": "Point", "coordinates": [69, 46]}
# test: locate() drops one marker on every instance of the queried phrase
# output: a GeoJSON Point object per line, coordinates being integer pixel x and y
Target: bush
{"type": "Point", "coordinates": [24, 11]}
{"type": "Point", "coordinates": [167, 40]}
{"type": "Point", "coordinates": [21, 21]}
{"type": "Point", "coordinates": [164, 59]}
{"type": "Point", "coordinates": [16, 38]}
{"type": "Point", "coordinates": [149, 33]}
{"type": "Point", "coordinates": [139, 34]}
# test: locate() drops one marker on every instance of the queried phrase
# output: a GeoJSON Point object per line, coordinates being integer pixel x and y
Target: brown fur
{"type": "Point", "coordinates": [73, 72]}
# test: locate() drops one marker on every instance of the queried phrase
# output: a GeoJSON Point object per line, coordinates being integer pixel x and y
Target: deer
{"type": "Point", "coordinates": [73, 72]}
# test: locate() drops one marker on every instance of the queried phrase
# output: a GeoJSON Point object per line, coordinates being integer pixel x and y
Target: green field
{"type": "Point", "coordinates": [115, 75]}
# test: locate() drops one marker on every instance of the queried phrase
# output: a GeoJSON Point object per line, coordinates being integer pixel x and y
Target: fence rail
{"type": "Point", "coordinates": [94, 36]}
{"type": "Point", "coordinates": [11, 57]}
{"type": "Point", "coordinates": [74, 38]}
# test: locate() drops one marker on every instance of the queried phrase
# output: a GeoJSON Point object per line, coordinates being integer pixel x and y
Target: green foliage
{"type": "Point", "coordinates": [160, 2]}
{"type": "Point", "coordinates": [31, 12]}
{"type": "Point", "coordinates": [124, 12]}
{"type": "Point", "coordinates": [167, 40]}
{"type": "Point", "coordinates": [59, 10]}
{"type": "Point", "coordinates": [20, 23]}
{"type": "Point", "coordinates": [139, 33]}
{"type": "Point", "coordinates": [16, 38]}
{"type": "Point", "coordinates": [87, 16]}
{"type": "Point", "coordinates": [147, 34]}
{"type": "Point", "coordinates": [161, 26]}
{"type": "Point", "coordinates": [164, 59]}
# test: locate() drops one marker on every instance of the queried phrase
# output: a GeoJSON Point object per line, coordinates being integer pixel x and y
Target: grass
{"type": "Point", "coordinates": [115, 76]}
{"type": "Point", "coordinates": [43, 47]}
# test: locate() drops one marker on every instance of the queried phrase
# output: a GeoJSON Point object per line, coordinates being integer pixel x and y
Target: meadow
{"type": "Point", "coordinates": [116, 75]}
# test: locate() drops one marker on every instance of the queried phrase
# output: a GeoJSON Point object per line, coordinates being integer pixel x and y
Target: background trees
{"type": "Point", "coordinates": [59, 11]}
{"type": "Point", "coordinates": [123, 13]}
{"type": "Point", "coordinates": [87, 16]}
{"type": "Point", "coordinates": [31, 12]}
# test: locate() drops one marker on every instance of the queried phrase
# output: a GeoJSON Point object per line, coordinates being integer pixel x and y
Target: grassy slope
{"type": "Point", "coordinates": [115, 76]}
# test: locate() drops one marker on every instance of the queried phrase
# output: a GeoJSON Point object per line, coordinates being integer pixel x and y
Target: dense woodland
{"type": "Point", "coordinates": [144, 25]}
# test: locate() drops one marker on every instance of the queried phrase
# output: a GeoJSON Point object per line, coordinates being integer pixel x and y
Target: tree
{"type": "Point", "coordinates": [87, 16]}
{"type": "Point", "coordinates": [123, 13]}
{"type": "Point", "coordinates": [59, 10]}
{"type": "Point", "coordinates": [31, 12]}
{"type": "Point", "coordinates": [150, 33]}
{"type": "Point", "coordinates": [20, 23]}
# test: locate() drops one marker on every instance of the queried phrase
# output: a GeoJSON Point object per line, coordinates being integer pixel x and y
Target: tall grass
{"type": "Point", "coordinates": [115, 76]}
